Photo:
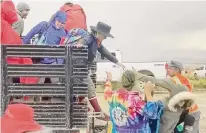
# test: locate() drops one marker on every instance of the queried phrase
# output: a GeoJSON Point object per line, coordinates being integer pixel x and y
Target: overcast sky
{"type": "Point", "coordinates": [144, 31]}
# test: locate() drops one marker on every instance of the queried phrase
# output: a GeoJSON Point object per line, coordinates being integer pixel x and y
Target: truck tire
{"type": "Point", "coordinates": [146, 72]}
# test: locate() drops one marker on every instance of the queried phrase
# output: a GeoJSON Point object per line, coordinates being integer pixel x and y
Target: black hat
{"type": "Point", "coordinates": [102, 28]}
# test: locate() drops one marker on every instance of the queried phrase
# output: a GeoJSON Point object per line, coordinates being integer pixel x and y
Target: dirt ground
{"type": "Point", "coordinates": [200, 100]}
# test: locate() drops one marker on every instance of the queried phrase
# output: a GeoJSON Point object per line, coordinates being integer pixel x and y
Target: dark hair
{"type": "Point", "coordinates": [93, 32]}
{"type": "Point", "coordinates": [68, 3]}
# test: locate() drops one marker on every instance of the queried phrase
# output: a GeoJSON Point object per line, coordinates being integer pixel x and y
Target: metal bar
{"type": "Point", "coordinates": [36, 71]}
{"type": "Point", "coordinates": [35, 46]}
{"type": "Point", "coordinates": [47, 50]}
{"type": "Point", "coordinates": [36, 86]}
{"type": "Point", "coordinates": [4, 79]}
{"type": "Point", "coordinates": [45, 94]}
{"type": "Point", "coordinates": [83, 95]}
{"type": "Point", "coordinates": [1, 81]}
{"type": "Point", "coordinates": [68, 63]}
{"type": "Point", "coordinates": [32, 56]}
{"type": "Point", "coordinates": [36, 52]}
{"type": "Point", "coordinates": [37, 90]}
{"type": "Point", "coordinates": [48, 109]}
{"type": "Point", "coordinates": [56, 66]}
{"type": "Point", "coordinates": [31, 47]}
{"type": "Point", "coordinates": [36, 75]}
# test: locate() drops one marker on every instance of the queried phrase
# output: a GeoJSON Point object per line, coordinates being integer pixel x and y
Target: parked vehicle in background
{"type": "Point", "coordinates": [104, 65]}
{"type": "Point", "coordinates": [200, 72]}
{"type": "Point", "coordinates": [156, 69]}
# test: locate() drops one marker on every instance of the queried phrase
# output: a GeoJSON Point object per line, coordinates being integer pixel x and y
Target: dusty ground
{"type": "Point", "coordinates": [200, 99]}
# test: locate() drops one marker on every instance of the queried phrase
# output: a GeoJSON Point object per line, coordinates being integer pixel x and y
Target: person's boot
{"type": "Point", "coordinates": [97, 108]}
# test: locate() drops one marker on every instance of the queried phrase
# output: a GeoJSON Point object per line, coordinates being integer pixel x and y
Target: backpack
{"type": "Point", "coordinates": [76, 17]}
{"type": "Point", "coordinates": [40, 39]}
{"type": "Point", "coordinates": [74, 35]}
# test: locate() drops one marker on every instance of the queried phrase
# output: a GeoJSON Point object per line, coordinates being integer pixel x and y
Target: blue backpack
{"type": "Point", "coordinates": [40, 39]}
{"type": "Point", "coordinates": [74, 35]}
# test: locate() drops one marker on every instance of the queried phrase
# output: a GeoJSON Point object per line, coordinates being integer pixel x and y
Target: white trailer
{"type": "Point", "coordinates": [156, 69]}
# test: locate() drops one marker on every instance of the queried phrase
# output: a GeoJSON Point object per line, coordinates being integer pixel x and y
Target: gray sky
{"type": "Point", "coordinates": [144, 31]}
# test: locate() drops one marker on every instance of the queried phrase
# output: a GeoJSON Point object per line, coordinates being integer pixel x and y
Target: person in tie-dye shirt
{"type": "Point", "coordinates": [129, 112]}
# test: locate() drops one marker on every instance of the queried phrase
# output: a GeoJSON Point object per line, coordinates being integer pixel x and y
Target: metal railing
{"type": "Point", "coordinates": [66, 114]}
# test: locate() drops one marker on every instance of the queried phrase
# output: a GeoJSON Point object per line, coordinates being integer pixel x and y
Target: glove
{"type": "Point", "coordinates": [121, 65]}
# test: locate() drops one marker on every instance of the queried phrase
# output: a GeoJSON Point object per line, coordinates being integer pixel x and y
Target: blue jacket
{"type": "Point", "coordinates": [91, 41]}
{"type": "Point", "coordinates": [92, 44]}
{"type": "Point", "coordinates": [52, 34]}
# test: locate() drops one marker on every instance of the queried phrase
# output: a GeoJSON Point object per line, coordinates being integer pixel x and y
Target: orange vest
{"type": "Point", "coordinates": [180, 79]}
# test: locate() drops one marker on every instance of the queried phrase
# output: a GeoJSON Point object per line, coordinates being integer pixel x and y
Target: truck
{"type": "Point", "coordinates": [66, 114]}
{"type": "Point", "coordinates": [155, 69]}
{"type": "Point", "coordinates": [200, 72]}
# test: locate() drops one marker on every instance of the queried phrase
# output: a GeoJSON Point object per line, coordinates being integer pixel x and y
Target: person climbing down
{"type": "Point", "coordinates": [49, 34]}
{"type": "Point", "coordinates": [79, 38]}
{"type": "Point", "coordinates": [129, 112]}
{"type": "Point", "coordinates": [22, 11]}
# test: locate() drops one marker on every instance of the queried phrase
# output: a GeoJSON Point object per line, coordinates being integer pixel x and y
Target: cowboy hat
{"type": "Point", "coordinates": [19, 118]}
{"type": "Point", "coordinates": [103, 29]}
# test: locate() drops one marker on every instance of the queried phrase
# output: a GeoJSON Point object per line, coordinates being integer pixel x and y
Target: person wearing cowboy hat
{"type": "Point", "coordinates": [19, 118]}
{"type": "Point", "coordinates": [94, 41]}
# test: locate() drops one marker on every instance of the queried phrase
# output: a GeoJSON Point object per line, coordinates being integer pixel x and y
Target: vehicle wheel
{"type": "Point", "coordinates": [196, 77]}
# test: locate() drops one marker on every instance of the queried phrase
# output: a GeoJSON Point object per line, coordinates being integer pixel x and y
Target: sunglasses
{"type": "Point", "coordinates": [102, 36]}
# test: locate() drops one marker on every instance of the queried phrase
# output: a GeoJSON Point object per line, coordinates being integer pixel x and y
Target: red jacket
{"type": "Point", "coordinates": [76, 17]}
{"type": "Point", "coordinates": [11, 37]}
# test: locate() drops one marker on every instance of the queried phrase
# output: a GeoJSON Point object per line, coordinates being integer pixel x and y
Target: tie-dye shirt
{"type": "Point", "coordinates": [130, 114]}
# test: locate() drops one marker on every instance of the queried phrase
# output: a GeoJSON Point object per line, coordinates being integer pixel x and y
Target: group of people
{"type": "Point", "coordinates": [135, 112]}
{"type": "Point", "coordinates": [130, 110]}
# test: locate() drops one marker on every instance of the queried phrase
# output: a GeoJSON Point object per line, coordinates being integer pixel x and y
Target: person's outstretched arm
{"type": "Point", "coordinates": [36, 30]}
{"type": "Point", "coordinates": [109, 56]}
{"type": "Point", "coordinates": [164, 83]}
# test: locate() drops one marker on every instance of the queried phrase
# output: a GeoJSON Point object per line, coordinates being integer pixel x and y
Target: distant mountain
{"type": "Point", "coordinates": [185, 56]}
